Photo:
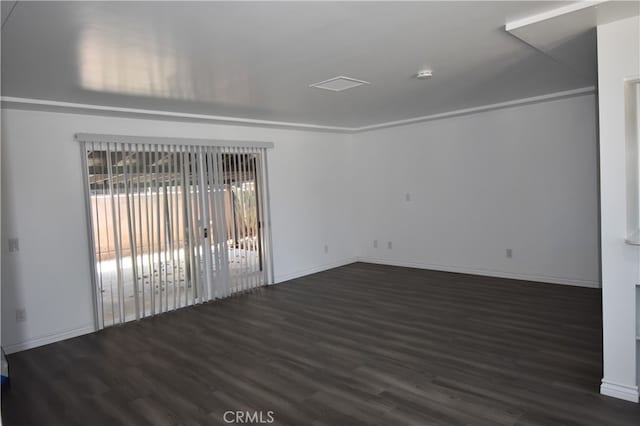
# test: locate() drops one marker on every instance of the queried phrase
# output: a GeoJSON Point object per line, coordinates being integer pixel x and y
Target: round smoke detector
{"type": "Point", "coordinates": [424, 74]}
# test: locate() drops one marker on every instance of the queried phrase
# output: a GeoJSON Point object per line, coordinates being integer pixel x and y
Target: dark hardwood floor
{"type": "Point", "coordinates": [360, 344]}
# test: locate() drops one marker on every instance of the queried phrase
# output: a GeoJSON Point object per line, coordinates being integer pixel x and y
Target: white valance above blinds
{"type": "Point", "coordinates": [104, 138]}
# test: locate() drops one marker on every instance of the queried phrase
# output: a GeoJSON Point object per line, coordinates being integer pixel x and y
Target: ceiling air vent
{"type": "Point", "coordinates": [338, 84]}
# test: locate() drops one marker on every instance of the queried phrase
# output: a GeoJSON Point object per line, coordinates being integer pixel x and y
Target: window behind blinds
{"type": "Point", "coordinates": [172, 225]}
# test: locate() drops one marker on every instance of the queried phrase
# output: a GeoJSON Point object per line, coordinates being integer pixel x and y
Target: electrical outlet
{"type": "Point", "coordinates": [375, 243]}
{"type": "Point", "coordinates": [14, 244]}
{"type": "Point", "coordinates": [21, 315]}
{"type": "Point", "coordinates": [389, 245]}
{"type": "Point", "coordinates": [407, 197]}
{"type": "Point", "coordinates": [509, 253]}
{"type": "Point", "coordinates": [326, 249]}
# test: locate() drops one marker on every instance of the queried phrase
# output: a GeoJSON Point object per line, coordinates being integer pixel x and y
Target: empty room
{"type": "Point", "coordinates": [320, 213]}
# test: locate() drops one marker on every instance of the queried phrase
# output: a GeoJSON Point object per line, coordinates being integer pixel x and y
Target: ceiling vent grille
{"type": "Point", "coordinates": [338, 84]}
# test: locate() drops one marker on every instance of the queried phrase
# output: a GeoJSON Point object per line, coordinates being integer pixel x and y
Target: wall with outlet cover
{"type": "Point", "coordinates": [509, 193]}
{"type": "Point", "coordinates": [43, 210]}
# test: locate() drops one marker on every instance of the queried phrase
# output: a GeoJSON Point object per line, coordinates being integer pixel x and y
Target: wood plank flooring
{"type": "Point", "coordinates": [360, 344]}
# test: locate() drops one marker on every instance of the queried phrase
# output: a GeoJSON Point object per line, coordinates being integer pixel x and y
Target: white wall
{"type": "Point", "coordinates": [523, 178]}
{"type": "Point", "coordinates": [618, 58]}
{"type": "Point", "coordinates": [41, 166]}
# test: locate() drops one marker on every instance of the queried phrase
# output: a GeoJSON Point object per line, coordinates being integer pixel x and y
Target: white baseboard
{"type": "Point", "coordinates": [616, 390]}
{"type": "Point", "coordinates": [45, 340]}
{"type": "Point", "coordinates": [301, 273]}
{"type": "Point", "coordinates": [484, 272]}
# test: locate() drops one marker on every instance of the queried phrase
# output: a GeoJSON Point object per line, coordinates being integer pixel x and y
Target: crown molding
{"type": "Point", "coordinates": [9, 102]}
{"type": "Point", "coordinates": [484, 108]}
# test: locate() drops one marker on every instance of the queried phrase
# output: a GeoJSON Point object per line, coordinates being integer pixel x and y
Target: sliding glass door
{"type": "Point", "coordinates": [174, 225]}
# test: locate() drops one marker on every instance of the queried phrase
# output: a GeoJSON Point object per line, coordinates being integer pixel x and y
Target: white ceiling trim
{"type": "Point", "coordinates": [26, 103]}
{"type": "Point", "coordinates": [483, 108]}
{"type": "Point", "coordinates": [9, 102]}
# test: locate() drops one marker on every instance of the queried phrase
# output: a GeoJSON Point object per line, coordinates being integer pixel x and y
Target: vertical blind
{"type": "Point", "coordinates": [173, 225]}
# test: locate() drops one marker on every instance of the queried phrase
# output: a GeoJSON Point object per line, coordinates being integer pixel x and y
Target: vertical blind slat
{"type": "Point", "coordinates": [245, 226]}
{"type": "Point", "coordinates": [254, 247]}
{"type": "Point", "coordinates": [139, 237]}
{"type": "Point", "coordinates": [171, 209]}
{"type": "Point", "coordinates": [260, 221]}
{"type": "Point", "coordinates": [126, 169]}
{"type": "Point", "coordinates": [232, 195]}
{"type": "Point", "coordinates": [100, 195]}
{"type": "Point", "coordinates": [221, 246]}
{"type": "Point", "coordinates": [240, 216]}
{"type": "Point", "coordinates": [176, 225]}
